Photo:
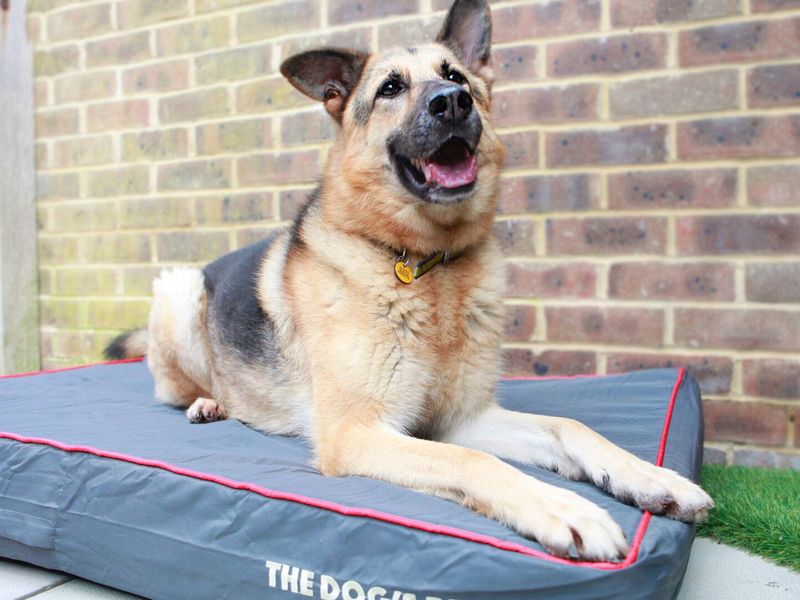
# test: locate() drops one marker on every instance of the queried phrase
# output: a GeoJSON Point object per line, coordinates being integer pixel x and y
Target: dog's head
{"type": "Point", "coordinates": [416, 141]}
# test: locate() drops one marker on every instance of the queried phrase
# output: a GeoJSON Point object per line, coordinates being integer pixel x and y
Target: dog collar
{"type": "Point", "coordinates": [408, 275]}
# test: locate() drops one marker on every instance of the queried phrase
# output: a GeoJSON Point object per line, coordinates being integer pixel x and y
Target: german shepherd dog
{"type": "Point", "coordinates": [372, 327]}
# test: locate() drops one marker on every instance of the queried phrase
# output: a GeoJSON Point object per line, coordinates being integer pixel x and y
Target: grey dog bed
{"type": "Point", "coordinates": [99, 480]}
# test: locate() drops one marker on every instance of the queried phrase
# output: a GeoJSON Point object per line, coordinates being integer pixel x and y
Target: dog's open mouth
{"type": "Point", "coordinates": [446, 174]}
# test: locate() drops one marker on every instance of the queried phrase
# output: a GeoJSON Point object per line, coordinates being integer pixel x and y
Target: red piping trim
{"type": "Point", "coordinates": [633, 552]}
{"type": "Point", "coordinates": [141, 358]}
{"type": "Point", "coordinates": [124, 361]}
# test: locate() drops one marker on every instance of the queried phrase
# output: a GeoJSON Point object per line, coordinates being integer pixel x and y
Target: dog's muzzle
{"type": "Point", "coordinates": [435, 153]}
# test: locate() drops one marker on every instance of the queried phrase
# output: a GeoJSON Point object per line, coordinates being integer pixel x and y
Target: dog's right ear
{"type": "Point", "coordinates": [467, 31]}
{"type": "Point", "coordinates": [328, 75]}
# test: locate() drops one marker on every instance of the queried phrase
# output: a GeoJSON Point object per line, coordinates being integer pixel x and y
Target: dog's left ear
{"type": "Point", "coordinates": [467, 31]}
{"type": "Point", "coordinates": [328, 75]}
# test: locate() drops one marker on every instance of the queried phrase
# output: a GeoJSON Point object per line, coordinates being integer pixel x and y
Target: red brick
{"type": "Point", "coordinates": [83, 151]}
{"type": "Point", "coordinates": [79, 22]}
{"type": "Point", "coordinates": [520, 323]}
{"type": "Point", "coordinates": [135, 13]}
{"type": "Point", "coordinates": [191, 106]}
{"type": "Point", "coordinates": [193, 36]}
{"type": "Point", "coordinates": [516, 237]}
{"type": "Point", "coordinates": [712, 373]}
{"type": "Point", "coordinates": [349, 11]}
{"type": "Point", "coordinates": [537, 280]}
{"type": "Point", "coordinates": [740, 42]}
{"type": "Point", "coordinates": [238, 208]}
{"type": "Point", "coordinates": [118, 181]}
{"type": "Point", "coordinates": [85, 86]}
{"type": "Point", "coordinates": [774, 186]}
{"type": "Point", "coordinates": [57, 186]}
{"type": "Point", "coordinates": [628, 145]}
{"type": "Point", "coordinates": [58, 60]}
{"type": "Point", "coordinates": [557, 193]}
{"type": "Point", "coordinates": [603, 237]}
{"type": "Point", "coordinates": [738, 234]}
{"type": "Point", "coordinates": [138, 281]}
{"type": "Point", "coordinates": [774, 86]}
{"type": "Point", "coordinates": [657, 281]}
{"type": "Point", "coordinates": [707, 188]}
{"type": "Point", "coordinates": [238, 63]}
{"type": "Point", "coordinates": [33, 27]}
{"type": "Point", "coordinates": [739, 137]}
{"type": "Point", "coordinates": [157, 144]}
{"type": "Point", "coordinates": [625, 13]}
{"type": "Point", "coordinates": [759, 6]}
{"type": "Point", "coordinates": [195, 175]}
{"type": "Point", "coordinates": [545, 105]}
{"type": "Point", "coordinates": [307, 128]}
{"type": "Point", "coordinates": [278, 19]}
{"type": "Point", "coordinates": [778, 282]}
{"type": "Point", "coordinates": [160, 77]}
{"type": "Point", "coordinates": [53, 123]}
{"type": "Point", "coordinates": [515, 63]}
{"type": "Point", "coordinates": [278, 168]}
{"type": "Point", "coordinates": [204, 6]}
{"type": "Point", "coordinates": [353, 37]}
{"type": "Point", "coordinates": [234, 136]}
{"type": "Point", "coordinates": [291, 201]}
{"type": "Point", "coordinates": [738, 329]}
{"type": "Point", "coordinates": [588, 324]}
{"type": "Point", "coordinates": [745, 422]}
{"type": "Point", "coordinates": [58, 250]}
{"type": "Point", "coordinates": [690, 93]}
{"type": "Point", "coordinates": [251, 235]}
{"type": "Point", "coordinates": [618, 54]}
{"type": "Point", "coordinates": [265, 95]}
{"type": "Point", "coordinates": [119, 50]}
{"type": "Point", "coordinates": [525, 363]}
{"type": "Point", "coordinates": [152, 213]}
{"type": "Point", "coordinates": [772, 378]}
{"type": "Point", "coordinates": [116, 248]}
{"type": "Point", "coordinates": [541, 20]}
{"type": "Point", "coordinates": [192, 246]}
{"type": "Point", "coordinates": [123, 114]}
{"type": "Point", "coordinates": [522, 150]}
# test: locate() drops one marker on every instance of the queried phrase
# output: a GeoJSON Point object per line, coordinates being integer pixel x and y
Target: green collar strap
{"type": "Point", "coordinates": [408, 275]}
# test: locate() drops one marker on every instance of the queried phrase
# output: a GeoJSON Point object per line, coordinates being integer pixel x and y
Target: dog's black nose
{"type": "Point", "coordinates": [452, 104]}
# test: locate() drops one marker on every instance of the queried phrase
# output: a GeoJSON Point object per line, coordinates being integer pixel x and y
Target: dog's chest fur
{"type": "Point", "coordinates": [425, 352]}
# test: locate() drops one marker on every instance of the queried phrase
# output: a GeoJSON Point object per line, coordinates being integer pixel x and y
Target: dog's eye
{"type": "Point", "coordinates": [390, 89]}
{"type": "Point", "coordinates": [456, 77]}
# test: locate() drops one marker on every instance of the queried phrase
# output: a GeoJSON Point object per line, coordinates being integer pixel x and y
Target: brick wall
{"type": "Point", "coordinates": [650, 210]}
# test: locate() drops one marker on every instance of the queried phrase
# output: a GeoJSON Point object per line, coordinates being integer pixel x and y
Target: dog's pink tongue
{"type": "Point", "coordinates": [452, 176]}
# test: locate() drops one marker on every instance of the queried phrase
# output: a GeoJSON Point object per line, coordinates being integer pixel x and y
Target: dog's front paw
{"type": "Point", "coordinates": [204, 410]}
{"type": "Point", "coordinates": [569, 526]}
{"type": "Point", "coordinates": [660, 491]}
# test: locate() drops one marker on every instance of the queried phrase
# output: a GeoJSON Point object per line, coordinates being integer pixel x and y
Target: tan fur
{"type": "Point", "coordinates": [397, 381]}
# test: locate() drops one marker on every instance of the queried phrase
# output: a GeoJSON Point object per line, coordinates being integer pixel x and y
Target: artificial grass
{"type": "Point", "coordinates": [757, 510]}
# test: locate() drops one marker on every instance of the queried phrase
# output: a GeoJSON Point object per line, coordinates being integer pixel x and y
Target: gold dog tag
{"type": "Point", "coordinates": [403, 272]}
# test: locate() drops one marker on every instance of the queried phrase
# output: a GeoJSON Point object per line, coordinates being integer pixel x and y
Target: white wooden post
{"type": "Point", "coordinates": [19, 302]}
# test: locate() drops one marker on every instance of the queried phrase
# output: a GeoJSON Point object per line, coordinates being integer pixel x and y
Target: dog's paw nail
{"type": "Point", "coordinates": [576, 538]}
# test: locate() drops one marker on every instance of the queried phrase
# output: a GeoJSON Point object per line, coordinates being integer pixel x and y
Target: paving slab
{"type": "Point", "coordinates": [719, 572]}
{"type": "Point", "coordinates": [715, 572]}
{"type": "Point", "coordinates": [79, 589]}
{"type": "Point", "coordinates": [18, 580]}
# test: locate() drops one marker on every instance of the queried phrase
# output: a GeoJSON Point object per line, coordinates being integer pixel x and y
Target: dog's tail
{"type": "Point", "coordinates": [131, 344]}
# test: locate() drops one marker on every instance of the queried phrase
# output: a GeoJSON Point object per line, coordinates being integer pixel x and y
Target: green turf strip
{"type": "Point", "coordinates": [757, 510]}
